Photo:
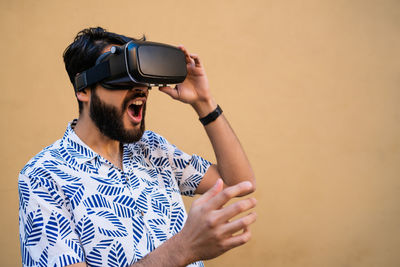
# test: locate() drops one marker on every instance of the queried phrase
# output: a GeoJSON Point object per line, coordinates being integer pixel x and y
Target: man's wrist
{"type": "Point", "coordinates": [181, 254]}
{"type": "Point", "coordinates": [212, 116]}
{"type": "Point", "coordinates": [203, 108]}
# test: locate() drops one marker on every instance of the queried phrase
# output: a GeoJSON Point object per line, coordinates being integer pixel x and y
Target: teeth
{"type": "Point", "coordinates": [138, 102]}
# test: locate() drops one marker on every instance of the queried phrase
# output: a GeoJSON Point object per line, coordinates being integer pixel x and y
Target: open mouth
{"type": "Point", "coordinates": [135, 111]}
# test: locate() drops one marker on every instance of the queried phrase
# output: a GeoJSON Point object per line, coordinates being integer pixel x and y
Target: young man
{"type": "Point", "coordinates": [109, 192]}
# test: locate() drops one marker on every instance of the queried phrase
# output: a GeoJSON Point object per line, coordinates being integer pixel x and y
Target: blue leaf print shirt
{"type": "Point", "coordinates": [75, 206]}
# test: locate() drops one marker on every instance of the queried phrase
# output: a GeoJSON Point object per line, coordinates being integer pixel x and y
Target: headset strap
{"type": "Point", "coordinates": [91, 76]}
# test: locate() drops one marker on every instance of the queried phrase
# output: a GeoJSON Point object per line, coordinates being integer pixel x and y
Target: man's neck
{"type": "Point", "coordinates": [88, 132]}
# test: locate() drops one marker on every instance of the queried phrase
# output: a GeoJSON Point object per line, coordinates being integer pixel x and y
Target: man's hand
{"type": "Point", "coordinates": [208, 231]}
{"type": "Point", "coordinates": [195, 89]}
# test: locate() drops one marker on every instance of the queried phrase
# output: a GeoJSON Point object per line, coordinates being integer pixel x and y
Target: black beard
{"type": "Point", "coordinates": [109, 120]}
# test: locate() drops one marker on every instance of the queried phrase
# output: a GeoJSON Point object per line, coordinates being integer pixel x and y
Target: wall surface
{"type": "Point", "coordinates": [310, 87]}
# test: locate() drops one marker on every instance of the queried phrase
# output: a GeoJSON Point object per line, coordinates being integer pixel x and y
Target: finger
{"type": "Point", "coordinates": [211, 192]}
{"type": "Point", "coordinates": [239, 224]}
{"type": "Point", "coordinates": [172, 92]}
{"type": "Point", "coordinates": [238, 240]}
{"type": "Point", "coordinates": [196, 60]}
{"type": "Point", "coordinates": [228, 193]}
{"type": "Point", "coordinates": [187, 56]}
{"type": "Point", "coordinates": [234, 209]}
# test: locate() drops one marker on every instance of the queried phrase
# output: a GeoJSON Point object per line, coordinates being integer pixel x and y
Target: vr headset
{"type": "Point", "coordinates": [135, 63]}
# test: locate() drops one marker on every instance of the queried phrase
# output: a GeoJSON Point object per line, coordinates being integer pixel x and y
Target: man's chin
{"type": "Point", "coordinates": [133, 135]}
{"type": "Point", "coordinates": [134, 127]}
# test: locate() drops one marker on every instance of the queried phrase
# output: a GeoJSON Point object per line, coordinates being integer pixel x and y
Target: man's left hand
{"type": "Point", "coordinates": [194, 90]}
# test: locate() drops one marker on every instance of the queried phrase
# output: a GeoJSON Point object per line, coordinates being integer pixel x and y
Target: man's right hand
{"type": "Point", "coordinates": [209, 230]}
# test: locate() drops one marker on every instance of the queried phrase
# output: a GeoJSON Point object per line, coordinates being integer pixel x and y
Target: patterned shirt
{"type": "Point", "coordinates": [76, 206]}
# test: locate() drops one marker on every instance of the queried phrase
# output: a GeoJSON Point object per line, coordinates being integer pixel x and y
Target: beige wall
{"type": "Point", "coordinates": [311, 88]}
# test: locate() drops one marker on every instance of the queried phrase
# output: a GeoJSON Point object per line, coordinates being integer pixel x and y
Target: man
{"type": "Point", "coordinates": [109, 192]}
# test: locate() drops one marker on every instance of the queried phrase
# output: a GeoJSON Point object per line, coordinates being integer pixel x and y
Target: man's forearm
{"type": "Point", "coordinates": [232, 162]}
{"type": "Point", "coordinates": [171, 253]}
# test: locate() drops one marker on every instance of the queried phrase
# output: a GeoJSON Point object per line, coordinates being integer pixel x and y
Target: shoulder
{"type": "Point", "coordinates": [50, 154]}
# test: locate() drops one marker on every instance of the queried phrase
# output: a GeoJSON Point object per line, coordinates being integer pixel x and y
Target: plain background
{"type": "Point", "coordinates": [310, 87]}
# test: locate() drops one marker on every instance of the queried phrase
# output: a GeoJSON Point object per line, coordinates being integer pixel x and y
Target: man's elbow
{"type": "Point", "coordinates": [252, 180]}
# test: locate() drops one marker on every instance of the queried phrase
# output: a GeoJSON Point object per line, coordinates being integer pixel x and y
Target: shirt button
{"type": "Point", "coordinates": [142, 213]}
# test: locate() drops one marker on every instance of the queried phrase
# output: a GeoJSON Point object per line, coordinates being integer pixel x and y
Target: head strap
{"type": "Point", "coordinates": [91, 76]}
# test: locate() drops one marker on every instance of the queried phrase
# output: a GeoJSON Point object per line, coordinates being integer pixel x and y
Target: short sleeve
{"type": "Point", "coordinates": [188, 169]}
{"type": "Point", "coordinates": [47, 234]}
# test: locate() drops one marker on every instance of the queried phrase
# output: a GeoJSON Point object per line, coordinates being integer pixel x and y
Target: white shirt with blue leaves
{"type": "Point", "coordinates": [75, 206]}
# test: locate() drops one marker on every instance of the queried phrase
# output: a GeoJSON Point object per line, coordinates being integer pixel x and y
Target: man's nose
{"type": "Point", "coordinates": [138, 89]}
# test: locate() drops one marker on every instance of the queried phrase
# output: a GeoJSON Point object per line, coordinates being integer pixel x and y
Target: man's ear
{"type": "Point", "coordinates": [83, 95]}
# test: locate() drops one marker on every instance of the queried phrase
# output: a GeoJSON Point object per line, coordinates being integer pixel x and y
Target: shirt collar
{"type": "Point", "coordinates": [81, 152]}
{"type": "Point", "coordinates": [76, 148]}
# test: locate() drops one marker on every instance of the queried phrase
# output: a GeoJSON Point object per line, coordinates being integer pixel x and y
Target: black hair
{"type": "Point", "coordinates": [87, 46]}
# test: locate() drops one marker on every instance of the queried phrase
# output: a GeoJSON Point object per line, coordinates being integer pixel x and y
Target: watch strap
{"type": "Point", "coordinates": [212, 116]}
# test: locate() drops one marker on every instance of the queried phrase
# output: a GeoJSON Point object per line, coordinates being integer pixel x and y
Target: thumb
{"type": "Point", "coordinates": [218, 186]}
{"type": "Point", "coordinates": [172, 92]}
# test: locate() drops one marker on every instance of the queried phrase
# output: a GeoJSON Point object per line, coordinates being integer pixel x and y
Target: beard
{"type": "Point", "coordinates": [109, 119]}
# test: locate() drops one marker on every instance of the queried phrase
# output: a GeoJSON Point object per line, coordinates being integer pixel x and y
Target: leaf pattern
{"type": "Point", "coordinates": [97, 201]}
{"type": "Point", "coordinates": [116, 257]}
{"type": "Point", "coordinates": [109, 190]}
{"type": "Point", "coordinates": [74, 192]}
{"type": "Point", "coordinates": [26, 256]}
{"type": "Point", "coordinates": [46, 196]}
{"type": "Point", "coordinates": [111, 225]}
{"type": "Point", "coordinates": [177, 219]}
{"type": "Point", "coordinates": [33, 228]}
{"type": "Point", "coordinates": [157, 228]}
{"type": "Point", "coordinates": [124, 206]}
{"type": "Point", "coordinates": [23, 191]}
{"type": "Point", "coordinates": [44, 258]}
{"type": "Point", "coordinates": [142, 201]}
{"type": "Point", "coordinates": [75, 246]}
{"type": "Point", "coordinates": [160, 204]}
{"type": "Point", "coordinates": [54, 167]}
{"type": "Point", "coordinates": [85, 230]}
{"type": "Point", "coordinates": [58, 226]}
{"type": "Point", "coordinates": [94, 257]}
{"type": "Point", "coordinates": [137, 226]}
{"type": "Point", "coordinates": [75, 206]}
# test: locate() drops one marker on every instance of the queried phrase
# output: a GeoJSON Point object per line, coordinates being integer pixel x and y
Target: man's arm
{"type": "Point", "coordinates": [232, 163]}
{"type": "Point", "coordinates": [209, 229]}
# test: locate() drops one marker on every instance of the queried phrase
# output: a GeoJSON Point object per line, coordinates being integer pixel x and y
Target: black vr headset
{"type": "Point", "coordinates": [135, 63]}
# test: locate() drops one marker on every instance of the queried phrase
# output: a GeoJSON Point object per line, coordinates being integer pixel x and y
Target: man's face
{"type": "Point", "coordinates": [119, 114]}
